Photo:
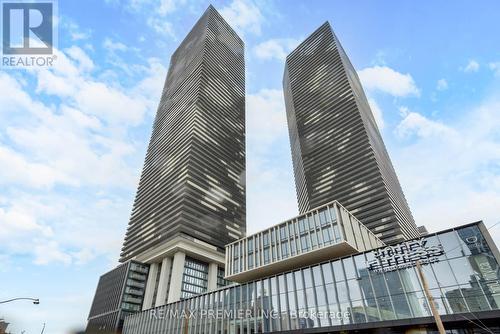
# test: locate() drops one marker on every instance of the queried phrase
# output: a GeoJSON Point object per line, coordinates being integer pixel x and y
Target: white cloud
{"type": "Point", "coordinates": [111, 45]}
{"type": "Point", "coordinates": [161, 26]}
{"type": "Point", "coordinates": [271, 183]}
{"type": "Point", "coordinates": [75, 32]}
{"type": "Point", "coordinates": [269, 163]}
{"type": "Point", "coordinates": [48, 252]}
{"type": "Point", "coordinates": [442, 84]}
{"type": "Point", "coordinates": [14, 99]}
{"type": "Point", "coordinates": [156, 13]}
{"type": "Point", "coordinates": [448, 170]}
{"type": "Point", "coordinates": [110, 104]}
{"type": "Point", "coordinates": [377, 113]}
{"type": "Point", "coordinates": [266, 117]}
{"type": "Point", "coordinates": [169, 6]}
{"type": "Point", "coordinates": [387, 80]}
{"type": "Point", "coordinates": [80, 141]}
{"type": "Point", "coordinates": [243, 16]}
{"type": "Point", "coordinates": [416, 124]}
{"type": "Point", "coordinates": [472, 66]}
{"type": "Point", "coordinates": [83, 60]}
{"type": "Point", "coordinates": [16, 222]}
{"type": "Point", "coordinates": [16, 169]}
{"type": "Point", "coordinates": [161, 7]}
{"type": "Point", "coordinates": [277, 48]}
{"type": "Point", "coordinates": [495, 67]}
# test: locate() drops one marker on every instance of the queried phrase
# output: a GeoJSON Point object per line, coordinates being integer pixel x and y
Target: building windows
{"type": "Point", "coordinates": [292, 246]}
{"type": "Point", "coordinates": [284, 249]}
{"type": "Point", "coordinates": [323, 218]}
{"type": "Point", "coordinates": [347, 285]}
{"type": "Point", "coordinates": [266, 255]}
{"type": "Point", "coordinates": [302, 225]}
{"type": "Point", "coordinates": [309, 232]}
{"type": "Point", "coordinates": [327, 235]}
{"type": "Point", "coordinates": [194, 279]}
{"type": "Point", "coordinates": [265, 239]}
{"type": "Point", "coordinates": [304, 241]}
{"type": "Point", "coordinates": [220, 278]}
{"type": "Point", "coordinates": [283, 232]}
{"type": "Point", "coordinates": [336, 232]}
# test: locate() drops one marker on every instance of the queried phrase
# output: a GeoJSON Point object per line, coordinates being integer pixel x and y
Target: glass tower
{"type": "Point", "coordinates": [193, 180]}
{"type": "Point", "coordinates": [337, 150]}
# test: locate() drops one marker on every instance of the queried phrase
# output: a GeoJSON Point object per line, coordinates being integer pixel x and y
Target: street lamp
{"type": "Point", "coordinates": [36, 301]}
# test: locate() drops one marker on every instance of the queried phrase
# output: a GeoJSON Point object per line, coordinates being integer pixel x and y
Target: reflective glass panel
{"type": "Point", "coordinates": [327, 273]}
{"type": "Point", "coordinates": [350, 271]}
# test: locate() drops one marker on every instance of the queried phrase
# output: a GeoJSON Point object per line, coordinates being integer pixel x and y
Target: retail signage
{"type": "Point", "coordinates": [404, 255]}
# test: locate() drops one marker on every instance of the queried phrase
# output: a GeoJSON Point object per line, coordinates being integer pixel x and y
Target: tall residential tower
{"type": "Point", "coordinates": [337, 150]}
{"type": "Point", "coordinates": [191, 197]}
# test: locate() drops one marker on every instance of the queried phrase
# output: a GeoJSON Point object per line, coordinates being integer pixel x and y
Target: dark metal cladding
{"type": "Point", "coordinates": [337, 150]}
{"type": "Point", "coordinates": [119, 293]}
{"type": "Point", "coordinates": [193, 180]}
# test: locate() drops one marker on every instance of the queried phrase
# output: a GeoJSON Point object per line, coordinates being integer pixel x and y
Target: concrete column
{"type": "Point", "coordinates": [174, 293]}
{"type": "Point", "coordinates": [161, 293]}
{"type": "Point", "coordinates": [212, 276]}
{"type": "Point", "coordinates": [150, 286]}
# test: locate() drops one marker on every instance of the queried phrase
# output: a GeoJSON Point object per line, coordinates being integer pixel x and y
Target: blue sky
{"type": "Point", "coordinates": [73, 138]}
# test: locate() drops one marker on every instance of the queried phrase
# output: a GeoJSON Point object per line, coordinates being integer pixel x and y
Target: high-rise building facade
{"type": "Point", "coordinates": [337, 150]}
{"type": "Point", "coordinates": [193, 180]}
{"type": "Point", "coordinates": [191, 197]}
{"type": "Point", "coordinates": [119, 293]}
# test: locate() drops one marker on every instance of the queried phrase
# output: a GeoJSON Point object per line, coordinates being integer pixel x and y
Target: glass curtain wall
{"type": "Point", "coordinates": [344, 291]}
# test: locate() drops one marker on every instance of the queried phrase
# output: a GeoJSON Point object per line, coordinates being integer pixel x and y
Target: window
{"type": "Point", "coordinates": [327, 235]}
{"type": "Point", "coordinates": [292, 247]}
{"type": "Point", "coordinates": [410, 280]}
{"type": "Point", "coordinates": [463, 271]}
{"type": "Point", "coordinates": [350, 271]}
{"type": "Point", "coordinates": [265, 239]}
{"type": "Point", "coordinates": [322, 218]}
{"type": "Point", "coordinates": [327, 273]}
{"type": "Point", "coordinates": [302, 225]}
{"type": "Point", "coordinates": [283, 234]}
{"type": "Point", "coordinates": [314, 239]}
{"type": "Point", "coordinates": [236, 250]}
{"type": "Point", "coordinates": [299, 283]}
{"type": "Point", "coordinates": [443, 273]}
{"type": "Point", "coordinates": [266, 255]}
{"type": "Point", "coordinates": [472, 241]}
{"type": "Point", "coordinates": [333, 215]}
{"type": "Point", "coordinates": [451, 245]}
{"type": "Point", "coordinates": [304, 240]}
{"type": "Point", "coordinates": [284, 249]}
{"type": "Point", "coordinates": [307, 278]}
{"type": "Point", "coordinates": [336, 232]}
{"type": "Point", "coordinates": [338, 271]}
{"type": "Point", "coordinates": [236, 266]}
{"type": "Point", "coordinates": [311, 223]}
{"type": "Point", "coordinates": [354, 291]}
{"type": "Point", "coordinates": [195, 278]}
{"type": "Point", "coordinates": [250, 246]}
